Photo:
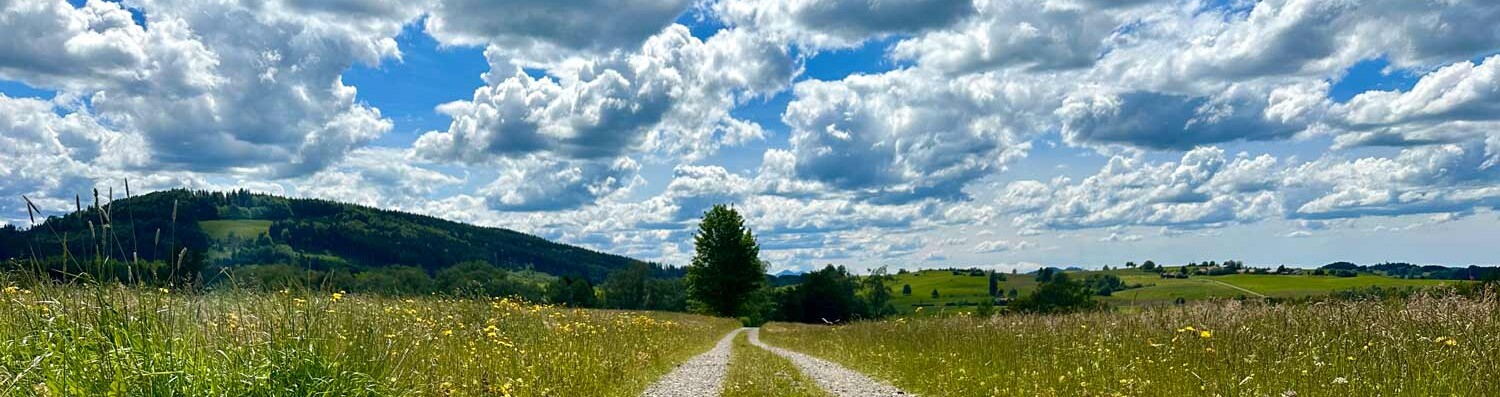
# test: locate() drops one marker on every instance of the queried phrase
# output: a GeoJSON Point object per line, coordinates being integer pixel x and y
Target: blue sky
{"type": "Point", "coordinates": [989, 133]}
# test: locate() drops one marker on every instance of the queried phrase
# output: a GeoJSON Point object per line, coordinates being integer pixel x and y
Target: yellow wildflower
{"type": "Point", "coordinates": [1205, 334]}
{"type": "Point", "coordinates": [338, 295]}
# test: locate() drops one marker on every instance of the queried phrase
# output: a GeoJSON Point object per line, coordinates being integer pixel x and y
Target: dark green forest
{"type": "Point", "coordinates": [331, 240]}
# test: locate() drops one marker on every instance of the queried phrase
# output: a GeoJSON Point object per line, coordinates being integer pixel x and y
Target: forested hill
{"type": "Point", "coordinates": [232, 228]}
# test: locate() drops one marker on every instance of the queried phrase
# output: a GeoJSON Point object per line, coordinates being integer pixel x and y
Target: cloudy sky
{"type": "Point", "coordinates": [910, 133]}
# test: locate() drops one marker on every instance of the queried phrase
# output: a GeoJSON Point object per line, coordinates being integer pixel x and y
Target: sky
{"type": "Point", "coordinates": [911, 134]}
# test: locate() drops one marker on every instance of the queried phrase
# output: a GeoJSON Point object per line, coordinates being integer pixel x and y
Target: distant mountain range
{"type": "Point", "coordinates": [229, 228]}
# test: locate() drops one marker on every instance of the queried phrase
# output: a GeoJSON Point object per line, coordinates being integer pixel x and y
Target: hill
{"type": "Point", "coordinates": [957, 290]}
{"type": "Point", "coordinates": [207, 230]}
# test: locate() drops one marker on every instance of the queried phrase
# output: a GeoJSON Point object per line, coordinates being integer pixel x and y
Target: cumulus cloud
{"type": "Point", "coordinates": [877, 167]}
{"type": "Point", "coordinates": [1194, 43]}
{"type": "Point", "coordinates": [1035, 34]}
{"type": "Point", "coordinates": [672, 96]}
{"type": "Point", "coordinates": [822, 24]}
{"type": "Point", "coordinates": [1205, 188]}
{"type": "Point", "coordinates": [1172, 121]}
{"type": "Point", "coordinates": [48, 157]}
{"type": "Point", "coordinates": [212, 85]}
{"type": "Point", "coordinates": [915, 135]}
{"type": "Point", "coordinates": [536, 183]}
{"type": "Point", "coordinates": [545, 31]}
{"type": "Point", "coordinates": [99, 46]}
{"type": "Point", "coordinates": [1455, 103]}
{"type": "Point", "coordinates": [380, 177]}
{"type": "Point", "coordinates": [990, 246]}
{"type": "Point", "coordinates": [1117, 237]}
{"type": "Point", "coordinates": [1427, 179]}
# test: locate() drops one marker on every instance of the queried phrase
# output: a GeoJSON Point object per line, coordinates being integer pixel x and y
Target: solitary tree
{"type": "Point", "coordinates": [726, 267]}
{"type": "Point", "coordinates": [934, 293]}
{"type": "Point", "coordinates": [876, 294]}
{"type": "Point", "coordinates": [994, 285]}
{"type": "Point", "coordinates": [906, 290]}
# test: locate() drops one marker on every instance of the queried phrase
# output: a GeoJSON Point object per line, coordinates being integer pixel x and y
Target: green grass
{"type": "Point", "coordinates": [111, 340]}
{"type": "Point", "coordinates": [1160, 291]}
{"type": "Point", "coordinates": [755, 372]}
{"type": "Point", "coordinates": [1292, 286]}
{"type": "Point", "coordinates": [1396, 348]}
{"type": "Point", "coordinates": [242, 228]}
{"type": "Point", "coordinates": [951, 289]}
{"type": "Point", "coordinates": [1155, 291]}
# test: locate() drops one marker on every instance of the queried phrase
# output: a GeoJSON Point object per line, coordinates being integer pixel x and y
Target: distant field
{"type": "Point", "coordinates": [1156, 290]}
{"type": "Point", "coordinates": [951, 288]}
{"type": "Point", "coordinates": [242, 228]}
{"type": "Point", "coordinates": [1289, 286]}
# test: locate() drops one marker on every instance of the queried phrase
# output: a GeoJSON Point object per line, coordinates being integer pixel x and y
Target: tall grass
{"type": "Point", "coordinates": [117, 340]}
{"type": "Point", "coordinates": [108, 323]}
{"type": "Point", "coordinates": [756, 372]}
{"type": "Point", "coordinates": [1429, 345]}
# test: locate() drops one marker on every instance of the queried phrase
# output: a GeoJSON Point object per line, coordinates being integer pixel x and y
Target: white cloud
{"type": "Point", "coordinates": [48, 157]}
{"type": "Point", "coordinates": [1426, 179]}
{"type": "Point", "coordinates": [537, 183]}
{"type": "Point", "coordinates": [914, 134]}
{"type": "Point", "coordinates": [673, 96]}
{"type": "Point", "coordinates": [1117, 237]}
{"type": "Point", "coordinates": [990, 246]}
{"type": "Point", "coordinates": [211, 86]}
{"type": "Point", "coordinates": [380, 177]}
{"type": "Point", "coordinates": [1035, 34]}
{"type": "Point", "coordinates": [824, 24]}
{"type": "Point", "coordinates": [532, 32]}
{"type": "Point", "coordinates": [586, 100]}
{"type": "Point", "coordinates": [99, 46]}
{"type": "Point", "coordinates": [1204, 189]}
{"type": "Point", "coordinates": [1462, 91]}
{"type": "Point", "coordinates": [1172, 121]}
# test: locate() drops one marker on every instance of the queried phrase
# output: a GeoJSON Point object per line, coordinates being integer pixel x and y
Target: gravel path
{"type": "Point", "coordinates": [1238, 288]}
{"type": "Point", "coordinates": [834, 378]}
{"type": "Point", "coordinates": [699, 376]}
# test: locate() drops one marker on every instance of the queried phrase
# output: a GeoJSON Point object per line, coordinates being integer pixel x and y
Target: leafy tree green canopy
{"type": "Point", "coordinates": [726, 267]}
{"type": "Point", "coordinates": [1059, 294]}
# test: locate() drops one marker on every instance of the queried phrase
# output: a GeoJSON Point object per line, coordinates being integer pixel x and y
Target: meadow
{"type": "Point", "coordinates": [240, 228]}
{"type": "Point", "coordinates": [115, 340]}
{"type": "Point", "coordinates": [1432, 344]}
{"type": "Point", "coordinates": [962, 289]}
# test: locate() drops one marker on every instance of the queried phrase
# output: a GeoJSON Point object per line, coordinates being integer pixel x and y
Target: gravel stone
{"type": "Point", "coordinates": [834, 378]}
{"type": "Point", "coordinates": [700, 376]}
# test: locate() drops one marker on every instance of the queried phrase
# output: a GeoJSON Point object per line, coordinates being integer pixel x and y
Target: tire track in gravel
{"type": "Point", "coordinates": [702, 375]}
{"type": "Point", "coordinates": [833, 378]}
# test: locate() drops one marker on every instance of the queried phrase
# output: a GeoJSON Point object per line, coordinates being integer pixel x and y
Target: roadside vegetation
{"type": "Point", "coordinates": [1433, 343]}
{"type": "Point", "coordinates": [107, 339]}
{"type": "Point", "coordinates": [755, 372]}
